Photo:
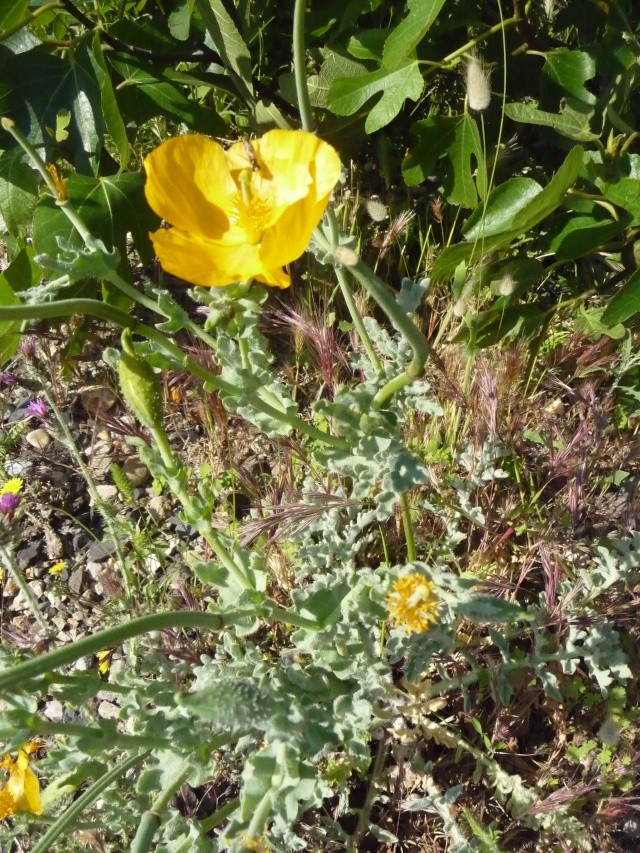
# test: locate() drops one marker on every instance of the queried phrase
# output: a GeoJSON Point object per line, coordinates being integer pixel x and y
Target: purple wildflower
{"type": "Point", "coordinates": [9, 503]}
{"type": "Point", "coordinates": [7, 380]}
{"type": "Point", "coordinates": [38, 409]}
{"type": "Point", "coordinates": [28, 346]}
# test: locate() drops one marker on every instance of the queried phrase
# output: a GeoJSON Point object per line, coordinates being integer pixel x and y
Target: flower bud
{"type": "Point", "coordinates": [139, 384]}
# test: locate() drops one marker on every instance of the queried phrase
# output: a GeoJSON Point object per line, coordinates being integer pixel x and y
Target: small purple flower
{"type": "Point", "coordinates": [9, 503]}
{"type": "Point", "coordinates": [28, 346]}
{"type": "Point", "coordinates": [7, 380]}
{"type": "Point", "coordinates": [38, 409]}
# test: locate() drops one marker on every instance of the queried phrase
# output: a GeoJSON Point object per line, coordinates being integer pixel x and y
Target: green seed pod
{"type": "Point", "coordinates": [139, 384]}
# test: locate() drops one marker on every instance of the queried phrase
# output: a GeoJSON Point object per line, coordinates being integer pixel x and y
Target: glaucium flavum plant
{"type": "Point", "coordinates": [239, 213]}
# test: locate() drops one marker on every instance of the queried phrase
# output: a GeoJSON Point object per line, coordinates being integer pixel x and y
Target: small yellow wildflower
{"type": "Point", "coordinates": [104, 661]}
{"type": "Point", "coordinates": [21, 792]}
{"type": "Point", "coordinates": [413, 603]}
{"type": "Point", "coordinates": [58, 567]}
{"type": "Point", "coordinates": [12, 486]}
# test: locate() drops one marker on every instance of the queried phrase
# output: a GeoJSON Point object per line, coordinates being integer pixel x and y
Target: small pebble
{"type": "Point", "coordinates": [38, 438]}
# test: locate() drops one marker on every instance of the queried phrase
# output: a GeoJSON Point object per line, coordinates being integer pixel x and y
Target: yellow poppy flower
{"type": "Point", "coordinates": [413, 603]}
{"type": "Point", "coordinates": [241, 213]}
{"type": "Point", "coordinates": [21, 793]}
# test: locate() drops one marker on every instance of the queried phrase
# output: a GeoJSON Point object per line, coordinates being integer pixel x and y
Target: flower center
{"type": "Point", "coordinates": [250, 209]}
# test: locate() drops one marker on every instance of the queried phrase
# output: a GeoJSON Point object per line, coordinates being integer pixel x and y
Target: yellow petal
{"type": "Point", "coordinates": [299, 164]}
{"type": "Point", "coordinates": [7, 803]}
{"type": "Point", "coordinates": [213, 264]}
{"type": "Point", "coordinates": [23, 786]}
{"type": "Point", "coordinates": [189, 184]}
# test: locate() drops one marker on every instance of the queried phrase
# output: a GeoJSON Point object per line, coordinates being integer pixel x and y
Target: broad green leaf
{"type": "Point", "coordinates": [9, 330]}
{"type": "Point", "coordinates": [625, 304]}
{"type": "Point", "coordinates": [18, 192]}
{"type": "Point", "coordinates": [111, 207]}
{"type": "Point", "coordinates": [11, 13]}
{"type": "Point", "coordinates": [227, 40]}
{"type": "Point", "coordinates": [501, 321]}
{"type": "Point", "coordinates": [572, 121]}
{"type": "Point", "coordinates": [570, 69]}
{"type": "Point", "coordinates": [348, 94]}
{"type": "Point", "coordinates": [625, 190]}
{"type": "Point", "coordinates": [23, 272]}
{"type": "Point", "coordinates": [367, 44]}
{"type": "Point", "coordinates": [180, 19]}
{"type": "Point", "coordinates": [545, 202]}
{"type": "Point", "coordinates": [538, 208]}
{"type": "Point", "coordinates": [582, 235]}
{"type": "Point", "coordinates": [456, 138]}
{"type": "Point", "coordinates": [147, 91]}
{"type": "Point", "coordinates": [38, 85]}
{"type": "Point", "coordinates": [404, 39]}
{"type": "Point", "coordinates": [501, 208]}
{"type": "Point", "coordinates": [110, 110]}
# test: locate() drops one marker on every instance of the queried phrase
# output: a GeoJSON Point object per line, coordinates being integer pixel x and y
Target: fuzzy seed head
{"type": "Point", "coordinates": [377, 210]}
{"type": "Point", "coordinates": [507, 285]}
{"type": "Point", "coordinates": [478, 84]}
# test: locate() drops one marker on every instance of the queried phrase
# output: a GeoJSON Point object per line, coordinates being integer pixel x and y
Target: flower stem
{"type": "Point", "coordinates": [12, 568]}
{"type": "Point", "coordinates": [91, 307]}
{"type": "Point", "coordinates": [405, 511]}
{"type": "Point", "coordinates": [218, 816]}
{"type": "Point", "coordinates": [87, 798]}
{"type": "Point", "coordinates": [379, 291]}
{"type": "Point", "coordinates": [151, 819]}
{"type": "Point", "coordinates": [300, 65]}
{"type": "Point", "coordinates": [40, 165]}
{"type": "Point", "coordinates": [194, 514]}
{"type": "Point", "coordinates": [94, 643]}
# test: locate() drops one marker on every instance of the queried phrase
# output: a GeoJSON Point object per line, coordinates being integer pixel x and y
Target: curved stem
{"type": "Point", "coordinates": [70, 816]}
{"type": "Point", "coordinates": [300, 66]}
{"type": "Point", "coordinates": [91, 307]}
{"type": "Point", "coordinates": [402, 322]}
{"type": "Point", "coordinates": [91, 645]}
{"type": "Point", "coordinates": [151, 819]}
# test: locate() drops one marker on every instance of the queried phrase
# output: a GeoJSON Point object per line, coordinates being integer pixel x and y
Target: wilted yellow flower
{"type": "Point", "coordinates": [58, 181]}
{"type": "Point", "coordinates": [241, 213]}
{"type": "Point", "coordinates": [12, 486]}
{"type": "Point", "coordinates": [413, 603]}
{"type": "Point", "coordinates": [21, 792]}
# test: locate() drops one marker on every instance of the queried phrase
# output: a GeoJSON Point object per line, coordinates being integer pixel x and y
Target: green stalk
{"type": "Point", "coordinates": [405, 512]}
{"type": "Point", "coordinates": [192, 512]}
{"type": "Point", "coordinates": [91, 307]}
{"type": "Point", "coordinates": [11, 567]}
{"type": "Point", "coordinates": [68, 818]}
{"type": "Point", "coordinates": [66, 438]}
{"type": "Point", "coordinates": [219, 816]}
{"type": "Point", "coordinates": [38, 726]}
{"type": "Point", "coordinates": [379, 291]}
{"type": "Point", "coordinates": [300, 65]}
{"type": "Point", "coordinates": [39, 164]}
{"type": "Point", "coordinates": [19, 673]}
{"type": "Point", "coordinates": [151, 819]}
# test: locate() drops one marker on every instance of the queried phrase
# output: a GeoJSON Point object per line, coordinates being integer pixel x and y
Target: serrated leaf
{"type": "Point", "coordinates": [18, 192]}
{"type": "Point", "coordinates": [625, 304]}
{"type": "Point", "coordinates": [456, 138]}
{"type": "Point", "coordinates": [110, 109]}
{"type": "Point", "coordinates": [404, 39]}
{"type": "Point", "coordinates": [348, 94]}
{"type": "Point", "coordinates": [110, 207]}
{"type": "Point", "coordinates": [572, 121]}
{"type": "Point", "coordinates": [570, 69]}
